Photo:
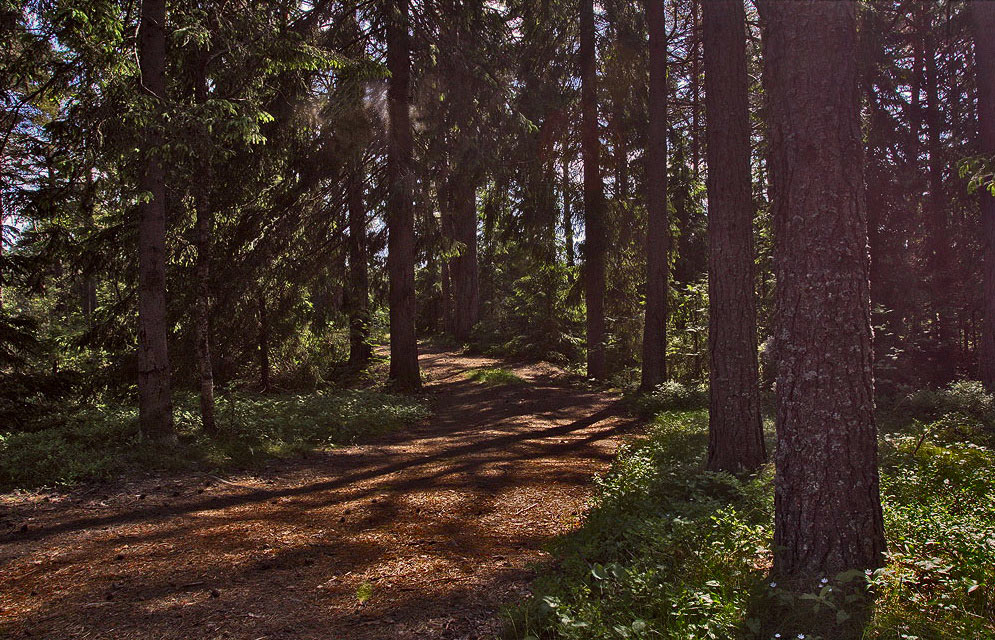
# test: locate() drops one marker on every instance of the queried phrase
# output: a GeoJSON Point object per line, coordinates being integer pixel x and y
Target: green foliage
{"type": "Point", "coordinates": [670, 551]}
{"type": "Point", "coordinates": [670, 396]}
{"type": "Point", "coordinates": [104, 440]}
{"type": "Point", "coordinates": [495, 376]}
{"type": "Point", "coordinates": [966, 401]}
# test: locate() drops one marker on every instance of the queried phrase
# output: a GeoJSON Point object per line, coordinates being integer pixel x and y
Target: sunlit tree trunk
{"type": "Point", "coordinates": [983, 21]}
{"type": "Point", "coordinates": [404, 372]}
{"type": "Point", "coordinates": [658, 232]}
{"type": "Point", "coordinates": [827, 503]}
{"type": "Point", "coordinates": [736, 440]}
{"type": "Point", "coordinates": [154, 402]}
{"type": "Point", "coordinates": [204, 222]}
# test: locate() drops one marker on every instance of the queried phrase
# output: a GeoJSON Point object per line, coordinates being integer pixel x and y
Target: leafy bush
{"type": "Point", "coordinates": [671, 551]}
{"type": "Point", "coordinates": [967, 399]}
{"type": "Point", "coordinates": [98, 442]}
{"type": "Point", "coordinates": [670, 396]}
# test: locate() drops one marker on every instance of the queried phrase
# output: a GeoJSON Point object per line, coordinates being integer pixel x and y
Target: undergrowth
{"type": "Point", "coordinates": [668, 550]}
{"type": "Point", "coordinates": [98, 442]}
{"type": "Point", "coordinates": [495, 376]}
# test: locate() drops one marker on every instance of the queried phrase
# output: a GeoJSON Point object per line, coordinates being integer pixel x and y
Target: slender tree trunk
{"type": "Point", "coordinates": [568, 222]}
{"type": "Point", "coordinates": [736, 439]}
{"type": "Point", "coordinates": [658, 232]}
{"type": "Point", "coordinates": [939, 234]}
{"type": "Point", "coordinates": [464, 268]}
{"type": "Point", "coordinates": [404, 372]}
{"type": "Point", "coordinates": [204, 222]}
{"type": "Point", "coordinates": [89, 293]}
{"type": "Point", "coordinates": [983, 21]}
{"type": "Point", "coordinates": [827, 502]}
{"type": "Point", "coordinates": [360, 349]}
{"type": "Point", "coordinates": [155, 405]}
{"type": "Point", "coordinates": [264, 367]}
{"type": "Point", "coordinates": [595, 239]}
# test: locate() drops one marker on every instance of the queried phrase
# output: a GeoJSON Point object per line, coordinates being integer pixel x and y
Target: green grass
{"type": "Point", "coordinates": [670, 551]}
{"type": "Point", "coordinates": [495, 376]}
{"type": "Point", "coordinates": [99, 442]}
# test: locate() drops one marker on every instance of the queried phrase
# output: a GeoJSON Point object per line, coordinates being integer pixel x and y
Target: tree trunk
{"type": "Point", "coordinates": [360, 349]}
{"type": "Point", "coordinates": [658, 231]}
{"type": "Point", "coordinates": [945, 365]}
{"type": "Point", "coordinates": [463, 268]}
{"type": "Point", "coordinates": [404, 371]}
{"type": "Point", "coordinates": [264, 368]}
{"type": "Point", "coordinates": [568, 221]}
{"type": "Point", "coordinates": [204, 222]}
{"type": "Point", "coordinates": [594, 205]}
{"type": "Point", "coordinates": [736, 439]}
{"type": "Point", "coordinates": [155, 405]}
{"type": "Point", "coordinates": [89, 290]}
{"type": "Point", "coordinates": [983, 19]}
{"type": "Point", "coordinates": [827, 501]}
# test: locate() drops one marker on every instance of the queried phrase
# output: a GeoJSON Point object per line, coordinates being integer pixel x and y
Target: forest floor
{"type": "Point", "coordinates": [424, 533]}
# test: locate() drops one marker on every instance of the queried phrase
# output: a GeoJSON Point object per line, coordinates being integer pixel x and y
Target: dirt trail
{"type": "Point", "coordinates": [436, 525]}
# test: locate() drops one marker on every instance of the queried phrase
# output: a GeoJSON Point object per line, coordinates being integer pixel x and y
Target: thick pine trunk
{"type": "Point", "coordinates": [658, 232]}
{"type": "Point", "coordinates": [594, 206]}
{"type": "Point", "coordinates": [827, 502]}
{"type": "Point", "coordinates": [404, 371]}
{"type": "Point", "coordinates": [983, 19]}
{"type": "Point", "coordinates": [736, 440]}
{"type": "Point", "coordinates": [155, 405]}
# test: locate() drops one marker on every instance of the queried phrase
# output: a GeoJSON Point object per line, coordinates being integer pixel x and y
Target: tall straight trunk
{"type": "Point", "coordinates": [594, 200]}
{"type": "Point", "coordinates": [945, 366]}
{"type": "Point", "coordinates": [983, 21]}
{"type": "Point", "coordinates": [464, 268]}
{"type": "Point", "coordinates": [204, 222]}
{"type": "Point", "coordinates": [658, 231]}
{"type": "Point", "coordinates": [568, 222]}
{"type": "Point", "coordinates": [263, 341]}
{"type": "Point", "coordinates": [360, 349]}
{"type": "Point", "coordinates": [696, 56]}
{"type": "Point", "coordinates": [735, 435]}
{"type": "Point", "coordinates": [827, 507]}
{"type": "Point", "coordinates": [89, 290]}
{"type": "Point", "coordinates": [404, 371]}
{"type": "Point", "coordinates": [155, 407]}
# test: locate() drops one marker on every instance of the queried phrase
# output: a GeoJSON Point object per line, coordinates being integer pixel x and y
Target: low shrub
{"type": "Point", "coordinates": [98, 442]}
{"type": "Point", "coordinates": [668, 550]}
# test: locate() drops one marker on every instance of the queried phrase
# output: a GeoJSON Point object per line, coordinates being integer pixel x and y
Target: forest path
{"type": "Point", "coordinates": [433, 526]}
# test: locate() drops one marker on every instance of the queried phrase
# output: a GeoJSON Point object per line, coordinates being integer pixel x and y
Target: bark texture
{"type": "Point", "coordinates": [404, 371]}
{"type": "Point", "coordinates": [983, 22]}
{"type": "Point", "coordinates": [155, 407]}
{"type": "Point", "coordinates": [595, 240]}
{"type": "Point", "coordinates": [735, 435]}
{"type": "Point", "coordinates": [827, 501]}
{"type": "Point", "coordinates": [658, 232]}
